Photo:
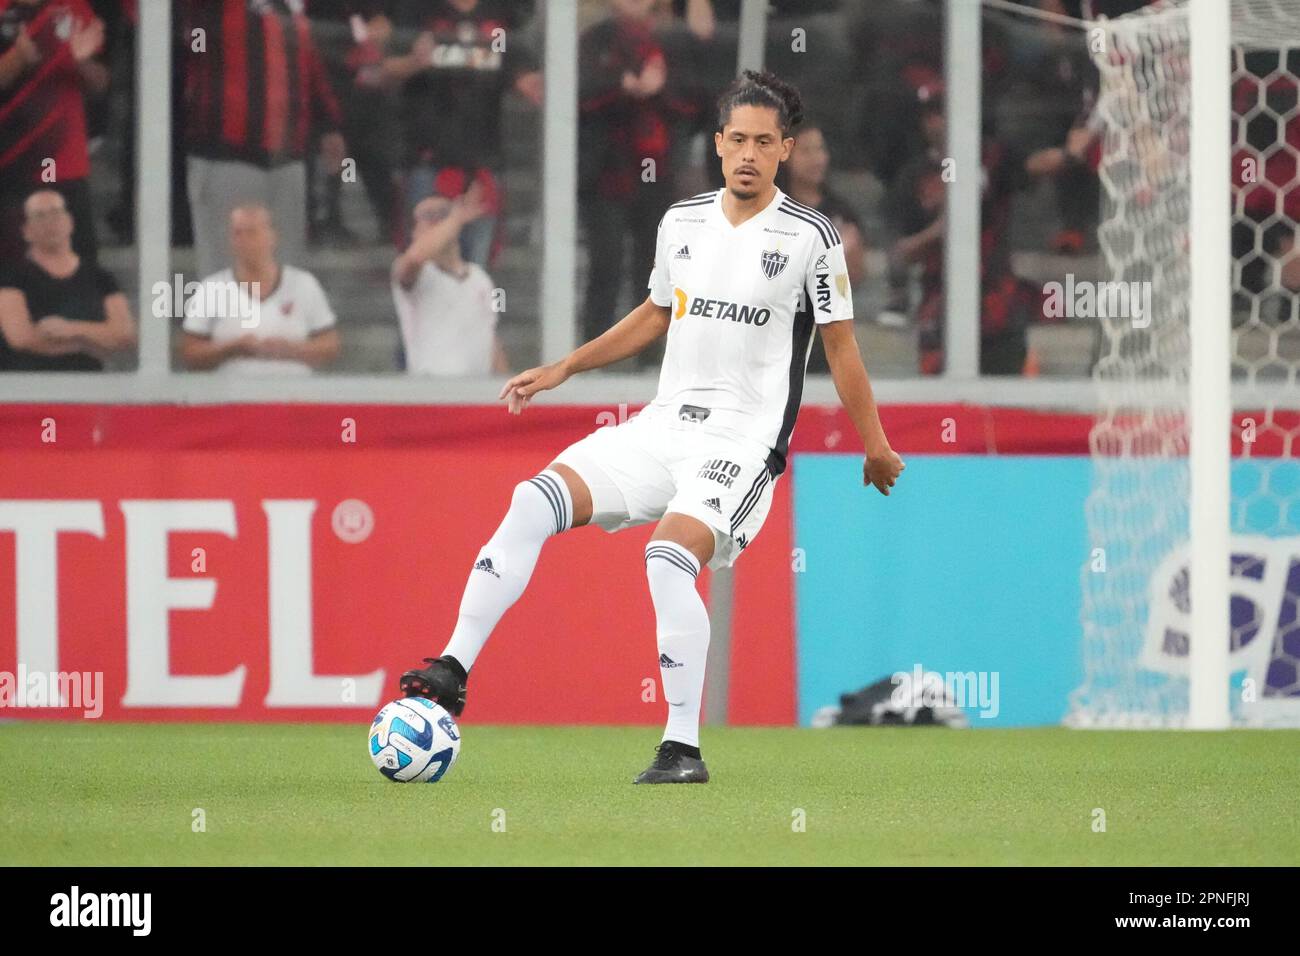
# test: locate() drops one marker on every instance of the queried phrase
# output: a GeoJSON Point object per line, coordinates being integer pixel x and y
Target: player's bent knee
{"type": "Point", "coordinates": [687, 532]}
{"type": "Point", "coordinates": [544, 498]}
{"type": "Point", "coordinates": [667, 559]}
{"type": "Point", "coordinates": [579, 493]}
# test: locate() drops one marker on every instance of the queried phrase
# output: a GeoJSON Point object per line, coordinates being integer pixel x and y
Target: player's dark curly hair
{"type": "Point", "coordinates": [763, 89]}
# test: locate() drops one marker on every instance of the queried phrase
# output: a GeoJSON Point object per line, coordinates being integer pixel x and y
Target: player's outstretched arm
{"type": "Point", "coordinates": [633, 333]}
{"type": "Point", "coordinates": [882, 466]}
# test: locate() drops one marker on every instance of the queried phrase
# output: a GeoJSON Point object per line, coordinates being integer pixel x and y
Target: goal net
{"type": "Point", "coordinates": [1136, 601]}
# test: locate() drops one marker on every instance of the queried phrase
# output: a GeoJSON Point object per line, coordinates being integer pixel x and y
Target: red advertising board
{"type": "Point", "coordinates": [282, 563]}
{"type": "Point", "coordinates": [287, 562]}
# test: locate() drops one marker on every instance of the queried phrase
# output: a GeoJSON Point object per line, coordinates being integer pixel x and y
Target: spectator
{"type": "Point", "coordinates": [805, 175]}
{"type": "Point", "coordinates": [251, 93]}
{"type": "Point", "coordinates": [1278, 297]}
{"type": "Point", "coordinates": [261, 316]}
{"type": "Point", "coordinates": [58, 311]}
{"type": "Point", "coordinates": [1074, 166]}
{"type": "Point", "coordinates": [1056, 88]}
{"type": "Point", "coordinates": [1007, 304]}
{"type": "Point", "coordinates": [1265, 167]}
{"type": "Point", "coordinates": [625, 178]}
{"type": "Point", "coordinates": [354, 36]}
{"type": "Point", "coordinates": [804, 179]}
{"type": "Point", "coordinates": [464, 57]}
{"type": "Point", "coordinates": [444, 304]}
{"type": "Point", "coordinates": [700, 64]}
{"type": "Point", "coordinates": [48, 62]}
{"type": "Point", "coordinates": [698, 15]}
{"type": "Point", "coordinates": [901, 48]}
{"type": "Point", "coordinates": [121, 54]}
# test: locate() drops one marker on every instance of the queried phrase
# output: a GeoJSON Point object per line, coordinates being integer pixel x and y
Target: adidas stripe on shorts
{"type": "Point", "coordinates": [657, 462]}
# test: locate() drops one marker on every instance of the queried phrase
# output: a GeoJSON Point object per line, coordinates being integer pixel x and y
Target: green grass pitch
{"type": "Point", "coordinates": [125, 794]}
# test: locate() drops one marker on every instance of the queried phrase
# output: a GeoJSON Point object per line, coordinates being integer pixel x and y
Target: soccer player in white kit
{"type": "Point", "coordinates": [741, 278]}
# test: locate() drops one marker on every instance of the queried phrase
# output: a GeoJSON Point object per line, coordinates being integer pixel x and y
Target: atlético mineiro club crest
{"type": "Point", "coordinates": [773, 263]}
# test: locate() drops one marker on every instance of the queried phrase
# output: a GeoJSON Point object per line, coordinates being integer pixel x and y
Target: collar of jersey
{"type": "Point", "coordinates": [726, 223]}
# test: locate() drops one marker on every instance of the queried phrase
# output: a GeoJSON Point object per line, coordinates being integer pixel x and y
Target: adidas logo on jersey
{"type": "Point", "coordinates": [683, 253]}
{"type": "Point", "coordinates": [485, 564]}
{"type": "Point", "coordinates": [666, 661]}
{"type": "Point", "coordinates": [714, 504]}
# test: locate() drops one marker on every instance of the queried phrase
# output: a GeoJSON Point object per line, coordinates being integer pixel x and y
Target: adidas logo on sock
{"type": "Point", "coordinates": [714, 503]}
{"type": "Point", "coordinates": [666, 661]}
{"type": "Point", "coordinates": [485, 564]}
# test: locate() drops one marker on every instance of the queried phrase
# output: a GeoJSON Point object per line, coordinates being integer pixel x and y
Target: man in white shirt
{"type": "Point", "coordinates": [743, 277]}
{"type": "Point", "coordinates": [445, 304]}
{"type": "Point", "coordinates": [259, 317]}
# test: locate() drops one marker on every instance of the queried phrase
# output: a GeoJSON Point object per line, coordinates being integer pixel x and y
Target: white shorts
{"type": "Point", "coordinates": [658, 462]}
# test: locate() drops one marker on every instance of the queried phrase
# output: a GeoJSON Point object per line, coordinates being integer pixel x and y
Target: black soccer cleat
{"type": "Point", "coordinates": [673, 764]}
{"type": "Point", "coordinates": [442, 682]}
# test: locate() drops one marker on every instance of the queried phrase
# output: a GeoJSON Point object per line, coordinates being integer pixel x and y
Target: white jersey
{"type": "Point", "coordinates": [744, 302]}
{"type": "Point", "coordinates": [448, 323]}
{"type": "Point", "coordinates": [295, 309]}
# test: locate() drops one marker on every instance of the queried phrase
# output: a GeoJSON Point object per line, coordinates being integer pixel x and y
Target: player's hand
{"type": "Point", "coordinates": [882, 468]}
{"type": "Point", "coordinates": [525, 385]}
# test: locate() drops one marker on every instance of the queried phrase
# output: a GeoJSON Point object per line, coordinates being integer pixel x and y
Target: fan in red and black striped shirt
{"type": "Point", "coordinates": [255, 91]}
{"type": "Point", "coordinates": [47, 61]}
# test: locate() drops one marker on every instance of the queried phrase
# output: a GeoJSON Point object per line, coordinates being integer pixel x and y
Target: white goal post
{"type": "Point", "coordinates": [1210, 385]}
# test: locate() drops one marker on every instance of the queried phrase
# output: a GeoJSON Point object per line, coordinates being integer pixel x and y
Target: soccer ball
{"type": "Point", "coordinates": [413, 740]}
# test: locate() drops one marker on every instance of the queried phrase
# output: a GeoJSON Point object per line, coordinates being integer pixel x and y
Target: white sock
{"type": "Point", "coordinates": [682, 629]}
{"type": "Point", "coordinates": [540, 507]}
